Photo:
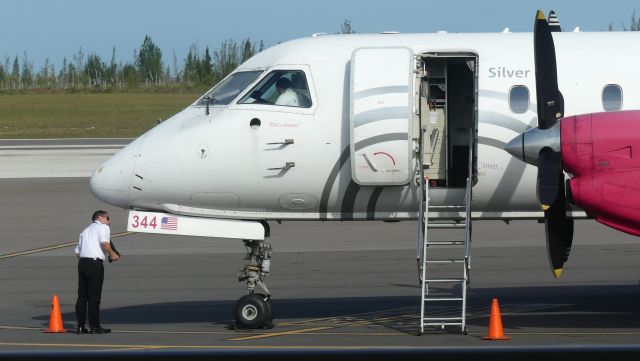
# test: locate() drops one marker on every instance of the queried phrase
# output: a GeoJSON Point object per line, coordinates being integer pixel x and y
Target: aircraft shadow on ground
{"type": "Point", "coordinates": [562, 307]}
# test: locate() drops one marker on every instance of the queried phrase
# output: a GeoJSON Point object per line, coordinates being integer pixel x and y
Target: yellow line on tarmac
{"type": "Point", "coordinates": [338, 333]}
{"type": "Point", "coordinates": [2, 327]}
{"type": "Point", "coordinates": [294, 323]}
{"type": "Point", "coordinates": [376, 321]}
{"type": "Point", "coordinates": [26, 328]}
{"type": "Point", "coordinates": [564, 333]}
{"type": "Point", "coordinates": [79, 345]}
{"type": "Point", "coordinates": [276, 334]}
{"type": "Point", "coordinates": [56, 246]}
{"type": "Point", "coordinates": [157, 332]}
{"type": "Point", "coordinates": [228, 347]}
{"type": "Point", "coordinates": [351, 321]}
{"type": "Point", "coordinates": [134, 348]}
{"type": "Point", "coordinates": [338, 318]}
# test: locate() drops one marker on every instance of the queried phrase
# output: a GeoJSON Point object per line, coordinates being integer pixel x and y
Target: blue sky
{"type": "Point", "coordinates": [56, 29]}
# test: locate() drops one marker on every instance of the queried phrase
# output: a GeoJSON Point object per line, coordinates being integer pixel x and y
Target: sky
{"type": "Point", "coordinates": [55, 29]}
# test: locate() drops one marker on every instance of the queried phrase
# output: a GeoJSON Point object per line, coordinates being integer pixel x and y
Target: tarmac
{"type": "Point", "coordinates": [336, 285]}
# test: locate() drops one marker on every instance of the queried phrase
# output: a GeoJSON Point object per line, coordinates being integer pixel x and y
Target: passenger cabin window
{"type": "Point", "coordinates": [612, 97]}
{"type": "Point", "coordinates": [281, 87]}
{"type": "Point", "coordinates": [229, 88]}
{"type": "Point", "coordinates": [519, 99]}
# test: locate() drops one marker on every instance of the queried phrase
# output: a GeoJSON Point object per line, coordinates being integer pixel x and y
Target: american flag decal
{"type": "Point", "coordinates": [169, 223]}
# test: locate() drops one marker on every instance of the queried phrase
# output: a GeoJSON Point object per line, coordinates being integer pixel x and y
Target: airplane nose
{"type": "Point", "coordinates": [111, 182]}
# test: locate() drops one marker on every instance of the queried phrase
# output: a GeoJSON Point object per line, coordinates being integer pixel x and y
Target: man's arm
{"type": "Point", "coordinates": [106, 246]}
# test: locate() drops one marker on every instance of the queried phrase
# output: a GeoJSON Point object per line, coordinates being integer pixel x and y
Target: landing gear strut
{"type": "Point", "coordinates": [255, 310]}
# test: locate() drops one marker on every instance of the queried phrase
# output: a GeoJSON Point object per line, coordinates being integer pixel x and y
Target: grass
{"type": "Point", "coordinates": [86, 115]}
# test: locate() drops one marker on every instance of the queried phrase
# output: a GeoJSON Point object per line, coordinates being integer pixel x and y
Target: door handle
{"type": "Point", "coordinates": [371, 164]}
{"type": "Point", "coordinates": [285, 142]}
{"type": "Point", "coordinates": [287, 166]}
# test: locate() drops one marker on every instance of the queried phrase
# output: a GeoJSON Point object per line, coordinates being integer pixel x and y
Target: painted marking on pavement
{"type": "Point", "coordinates": [276, 334]}
{"type": "Point", "coordinates": [222, 347]}
{"type": "Point", "coordinates": [51, 248]}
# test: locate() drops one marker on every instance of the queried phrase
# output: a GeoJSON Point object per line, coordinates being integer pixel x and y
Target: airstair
{"type": "Point", "coordinates": [444, 265]}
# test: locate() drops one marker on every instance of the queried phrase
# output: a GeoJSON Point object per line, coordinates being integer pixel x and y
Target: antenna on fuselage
{"type": "Point", "coordinates": [554, 23]}
{"type": "Point", "coordinates": [208, 101]}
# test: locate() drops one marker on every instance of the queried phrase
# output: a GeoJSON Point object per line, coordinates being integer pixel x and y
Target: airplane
{"type": "Point", "coordinates": [375, 120]}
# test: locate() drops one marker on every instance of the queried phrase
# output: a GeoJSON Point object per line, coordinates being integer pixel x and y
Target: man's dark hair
{"type": "Point", "coordinates": [283, 83]}
{"type": "Point", "coordinates": [97, 214]}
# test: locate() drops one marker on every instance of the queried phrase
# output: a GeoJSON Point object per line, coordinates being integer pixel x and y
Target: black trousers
{"type": "Point", "coordinates": [90, 279]}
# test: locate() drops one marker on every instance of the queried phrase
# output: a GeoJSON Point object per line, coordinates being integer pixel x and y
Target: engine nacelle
{"type": "Point", "coordinates": [602, 152]}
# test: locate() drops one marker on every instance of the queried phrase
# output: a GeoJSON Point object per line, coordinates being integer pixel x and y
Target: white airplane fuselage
{"type": "Point", "coordinates": [217, 165]}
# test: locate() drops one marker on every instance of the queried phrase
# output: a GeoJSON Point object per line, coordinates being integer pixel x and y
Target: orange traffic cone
{"type": "Point", "coordinates": [495, 324]}
{"type": "Point", "coordinates": [55, 319]}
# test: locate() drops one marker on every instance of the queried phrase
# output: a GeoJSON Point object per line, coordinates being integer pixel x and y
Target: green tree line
{"type": "Point", "coordinates": [148, 68]}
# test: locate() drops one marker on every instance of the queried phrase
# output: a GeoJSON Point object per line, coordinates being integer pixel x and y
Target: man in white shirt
{"type": "Point", "coordinates": [288, 96]}
{"type": "Point", "coordinates": [93, 243]}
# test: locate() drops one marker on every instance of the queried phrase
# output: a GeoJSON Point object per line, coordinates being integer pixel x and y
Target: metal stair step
{"type": "Point", "coordinates": [452, 206]}
{"type": "Point", "coordinates": [440, 261]}
{"type": "Point", "coordinates": [445, 280]}
{"type": "Point", "coordinates": [446, 226]}
{"type": "Point", "coordinates": [442, 299]}
{"type": "Point", "coordinates": [440, 324]}
{"type": "Point", "coordinates": [443, 318]}
{"type": "Point", "coordinates": [445, 243]}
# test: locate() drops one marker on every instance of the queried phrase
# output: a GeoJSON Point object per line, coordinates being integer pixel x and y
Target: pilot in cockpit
{"type": "Point", "coordinates": [288, 96]}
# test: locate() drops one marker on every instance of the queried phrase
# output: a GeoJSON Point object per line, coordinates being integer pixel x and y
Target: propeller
{"type": "Point", "coordinates": [550, 182]}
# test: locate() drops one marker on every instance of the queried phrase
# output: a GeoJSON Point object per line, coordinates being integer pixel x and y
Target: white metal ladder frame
{"type": "Point", "coordinates": [423, 209]}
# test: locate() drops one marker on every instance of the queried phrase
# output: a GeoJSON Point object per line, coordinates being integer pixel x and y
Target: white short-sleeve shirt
{"type": "Point", "coordinates": [90, 239]}
{"type": "Point", "coordinates": [289, 97]}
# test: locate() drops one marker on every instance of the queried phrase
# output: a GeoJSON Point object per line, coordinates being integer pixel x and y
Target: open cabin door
{"type": "Point", "coordinates": [448, 104]}
{"type": "Point", "coordinates": [381, 116]}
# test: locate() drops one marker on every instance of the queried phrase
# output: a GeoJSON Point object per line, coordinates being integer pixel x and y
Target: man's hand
{"type": "Point", "coordinates": [113, 255]}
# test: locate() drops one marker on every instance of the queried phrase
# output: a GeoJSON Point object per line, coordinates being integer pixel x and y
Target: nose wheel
{"type": "Point", "coordinates": [255, 309]}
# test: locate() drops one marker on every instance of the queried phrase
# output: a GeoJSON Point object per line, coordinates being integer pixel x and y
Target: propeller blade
{"type": "Point", "coordinates": [550, 182]}
{"type": "Point", "coordinates": [549, 99]}
{"type": "Point", "coordinates": [559, 231]}
{"type": "Point", "coordinates": [549, 167]}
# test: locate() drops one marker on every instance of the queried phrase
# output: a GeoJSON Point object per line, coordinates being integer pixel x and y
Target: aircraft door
{"type": "Point", "coordinates": [381, 115]}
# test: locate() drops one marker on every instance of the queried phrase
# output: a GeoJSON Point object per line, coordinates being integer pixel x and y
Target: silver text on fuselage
{"type": "Point", "coordinates": [503, 72]}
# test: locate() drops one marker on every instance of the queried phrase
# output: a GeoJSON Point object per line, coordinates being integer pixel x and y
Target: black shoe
{"type": "Point", "coordinates": [99, 330]}
{"type": "Point", "coordinates": [81, 330]}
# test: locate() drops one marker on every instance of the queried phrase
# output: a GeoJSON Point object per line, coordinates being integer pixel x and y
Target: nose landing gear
{"type": "Point", "coordinates": [255, 309]}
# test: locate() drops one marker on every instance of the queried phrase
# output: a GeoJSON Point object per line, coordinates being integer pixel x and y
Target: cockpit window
{"type": "Point", "coordinates": [281, 87]}
{"type": "Point", "coordinates": [228, 89]}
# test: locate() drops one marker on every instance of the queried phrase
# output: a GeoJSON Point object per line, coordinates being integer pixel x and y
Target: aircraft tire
{"type": "Point", "coordinates": [252, 311]}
